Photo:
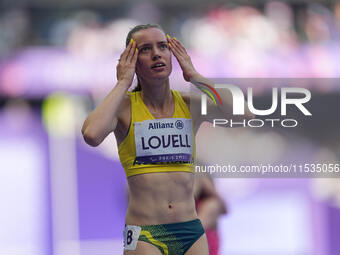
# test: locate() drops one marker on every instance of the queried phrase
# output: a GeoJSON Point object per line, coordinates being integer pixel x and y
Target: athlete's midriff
{"type": "Point", "coordinates": [160, 198]}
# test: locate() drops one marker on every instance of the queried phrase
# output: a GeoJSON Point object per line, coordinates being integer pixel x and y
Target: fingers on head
{"type": "Point", "coordinates": [126, 52]}
{"type": "Point", "coordinates": [178, 45]}
{"type": "Point", "coordinates": [131, 51]}
{"type": "Point", "coordinates": [174, 47]}
{"type": "Point", "coordinates": [134, 59]}
{"type": "Point", "coordinates": [170, 40]}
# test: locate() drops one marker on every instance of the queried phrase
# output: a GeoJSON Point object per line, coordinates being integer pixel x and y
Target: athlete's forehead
{"type": "Point", "coordinates": [149, 36]}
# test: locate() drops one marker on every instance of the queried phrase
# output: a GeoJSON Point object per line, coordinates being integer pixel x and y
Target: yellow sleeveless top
{"type": "Point", "coordinates": [158, 145]}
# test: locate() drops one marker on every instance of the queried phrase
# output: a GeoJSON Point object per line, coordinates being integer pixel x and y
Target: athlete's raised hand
{"type": "Point", "coordinates": [127, 64]}
{"type": "Point", "coordinates": [182, 57]}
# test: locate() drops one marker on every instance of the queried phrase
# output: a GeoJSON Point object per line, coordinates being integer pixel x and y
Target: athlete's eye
{"type": "Point", "coordinates": [163, 46]}
{"type": "Point", "coordinates": [145, 49]}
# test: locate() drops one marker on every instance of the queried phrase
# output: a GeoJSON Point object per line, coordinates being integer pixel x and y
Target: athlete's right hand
{"type": "Point", "coordinates": [127, 64]}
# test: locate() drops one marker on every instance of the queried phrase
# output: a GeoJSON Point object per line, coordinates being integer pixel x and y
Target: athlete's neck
{"type": "Point", "coordinates": [157, 95]}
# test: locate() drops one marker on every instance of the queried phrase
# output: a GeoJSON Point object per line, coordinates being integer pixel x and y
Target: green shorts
{"type": "Point", "coordinates": [170, 239]}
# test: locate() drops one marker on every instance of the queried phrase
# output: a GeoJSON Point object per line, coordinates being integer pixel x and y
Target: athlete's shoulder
{"type": "Point", "coordinates": [190, 97]}
{"type": "Point", "coordinates": [185, 96]}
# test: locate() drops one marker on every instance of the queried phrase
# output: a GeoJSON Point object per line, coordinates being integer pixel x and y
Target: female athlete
{"type": "Point", "coordinates": [155, 134]}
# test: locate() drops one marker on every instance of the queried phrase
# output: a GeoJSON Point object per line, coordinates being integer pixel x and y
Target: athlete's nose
{"type": "Point", "coordinates": [155, 57]}
{"type": "Point", "coordinates": [155, 54]}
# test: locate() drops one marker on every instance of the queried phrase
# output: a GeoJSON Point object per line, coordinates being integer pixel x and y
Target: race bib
{"type": "Point", "coordinates": [131, 234]}
{"type": "Point", "coordinates": [163, 140]}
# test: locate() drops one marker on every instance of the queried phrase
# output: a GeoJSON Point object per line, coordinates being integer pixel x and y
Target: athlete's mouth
{"type": "Point", "coordinates": [158, 64]}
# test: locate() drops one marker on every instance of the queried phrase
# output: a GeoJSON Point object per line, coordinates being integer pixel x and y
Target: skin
{"type": "Point", "coordinates": [211, 205]}
{"type": "Point", "coordinates": [153, 199]}
{"type": "Point", "coordinates": [156, 198]}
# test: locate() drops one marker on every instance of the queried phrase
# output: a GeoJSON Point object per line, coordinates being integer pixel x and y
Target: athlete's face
{"type": "Point", "coordinates": [154, 56]}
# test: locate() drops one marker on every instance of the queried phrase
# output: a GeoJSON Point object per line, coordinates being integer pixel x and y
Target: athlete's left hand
{"type": "Point", "coordinates": [183, 58]}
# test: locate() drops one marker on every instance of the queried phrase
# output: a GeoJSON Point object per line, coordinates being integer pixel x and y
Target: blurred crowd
{"type": "Point", "coordinates": [273, 39]}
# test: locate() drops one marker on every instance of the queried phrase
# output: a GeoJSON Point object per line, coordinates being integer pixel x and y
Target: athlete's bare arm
{"type": "Point", "coordinates": [112, 111]}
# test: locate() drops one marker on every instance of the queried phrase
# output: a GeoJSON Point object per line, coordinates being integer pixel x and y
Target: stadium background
{"type": "Point", "coordinates": [57, 61]}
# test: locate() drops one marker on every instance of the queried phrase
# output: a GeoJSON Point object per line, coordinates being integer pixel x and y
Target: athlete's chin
{"type": "Point", "coordinates": [161, 75]}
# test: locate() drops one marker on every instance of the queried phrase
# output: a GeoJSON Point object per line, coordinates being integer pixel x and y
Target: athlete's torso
{"type": "Point", "coordinates": [165, 194]}
{"type": "Point", "coordinates": [161, 198]}
{"type": "Point", "coordinates": [158, 144]}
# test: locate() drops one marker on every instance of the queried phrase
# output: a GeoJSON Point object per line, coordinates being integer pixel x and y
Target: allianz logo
{"type": "Point", "coordinates": [179, 124]}
{"type": "Point", "coordinates": [159, 125]}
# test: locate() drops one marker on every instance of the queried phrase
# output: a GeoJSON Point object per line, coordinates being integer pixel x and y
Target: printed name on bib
{"type": "Point", "coordinates": [163, 141]}
{"type": "Point", "coordinates": [174, 141]}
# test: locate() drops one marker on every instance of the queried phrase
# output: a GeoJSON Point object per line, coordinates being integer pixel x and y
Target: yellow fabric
{"type": "Point", "coordinates": [127, 149]}
{"type": "Point", "coordinates": [156, 242]}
